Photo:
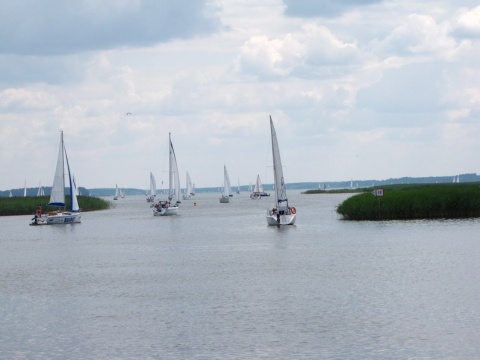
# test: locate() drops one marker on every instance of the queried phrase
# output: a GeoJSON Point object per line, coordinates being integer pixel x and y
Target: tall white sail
{"type": "Point", "coordinates": [188, 185]}
{"type": "Point", "coordinates": [226, 180]}
{"type": "Point", "coordinates": [280, 190]}
{"type": "Point", "coordinates": [174, 179]}
{"type": "Point", "coordinates": [153, 185]}
{"type": "Point", "coordinates": [57, 196]}
{"type": "Point", "coordinates": [73, 188]}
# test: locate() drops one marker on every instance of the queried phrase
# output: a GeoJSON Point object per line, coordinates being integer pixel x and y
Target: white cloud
{"type": "Point", "coordinates": [466, 23]}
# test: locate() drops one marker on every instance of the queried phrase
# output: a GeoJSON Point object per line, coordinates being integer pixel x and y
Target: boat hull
{"type": "Point", "coordinates": [58, 219]}
{"type": "Point", "coordinates": [277, 219]}
{"type": "Point", "coordinates": [171, 210]}
{"type": "Point", "coordinates": [225, 199]}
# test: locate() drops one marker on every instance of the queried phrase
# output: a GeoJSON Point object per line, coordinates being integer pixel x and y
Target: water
{"type": "Point", "coordinates": [217, 283]}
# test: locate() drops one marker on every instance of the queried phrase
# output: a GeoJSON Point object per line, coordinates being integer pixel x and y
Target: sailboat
{"type": "Point", "coordinates": [258, 192]}
{"type": "Point", "coordinates": [281, 213]}
{"type": "Point", "coordinates": [168, 207]}
{"type": "Point", "coordinates": [225, 197]}
{"type": "Point", "coordinates": [238, 188]}
{"type": "Point", "coordinates": [40, 191]}
{"type": "Point", "coordinates": [117, 192]}
{"type": "Point", "coordinates": [153, 189]}
{"type": "Point", "coordinates": [188, 188]}
{"type": "Point", "coordinates": [57, 196]}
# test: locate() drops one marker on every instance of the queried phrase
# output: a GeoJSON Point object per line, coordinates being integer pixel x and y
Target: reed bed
{"type": "Point", "coordinates": [403, 202]}
{"type": "Point", "coordinates": [28, 205]}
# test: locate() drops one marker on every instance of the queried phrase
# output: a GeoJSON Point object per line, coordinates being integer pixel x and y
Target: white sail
{"type": "Point", "coordinates": [225, 197]}
{"type": "Point", "coordinates": [73, 188]}
{"type": "Point", "coordinates": [281, 214]}
{"type": "Point", "coordinates": [226, 181]}
{"type": "Point", "coordinates": [57, 195]}
{"type": "Point", "coordinates": [280, 191]}
{"type": "Point", "coordinates": [153, 185]}
{"type": "Point", "coordinates": [173, 179]}
{"type": "Point", "coordinates": [25, 189]}
{"type": "Point", "coordinates": [227, 184]}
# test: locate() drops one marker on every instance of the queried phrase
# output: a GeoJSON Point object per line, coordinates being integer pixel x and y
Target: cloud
{"type": "Point", "coordinates": [62, 27]}
{"type": "Point", "coordinates": [409, 89]}
{"type": "Point", "coordinates": [466, 23]}
{"type": "Point", "coordinates": [323, 8]}
{"type": "Point", "coordinates": [301, 54]}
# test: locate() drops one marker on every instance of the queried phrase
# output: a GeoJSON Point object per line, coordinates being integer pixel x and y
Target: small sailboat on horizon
{"type": "Point", "coordinates": [225, 197]}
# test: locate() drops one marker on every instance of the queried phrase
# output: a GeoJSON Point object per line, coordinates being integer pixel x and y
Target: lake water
{"type": "Point", "coordinates": [216, 282]}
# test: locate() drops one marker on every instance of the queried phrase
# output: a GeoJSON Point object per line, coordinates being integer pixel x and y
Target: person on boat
{"type": "Point", "coordinates": [38, 213]}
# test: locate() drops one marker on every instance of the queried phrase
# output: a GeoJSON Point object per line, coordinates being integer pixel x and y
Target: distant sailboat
{"type": "Point", "coordinates": [40, 191]}
{"type": "Point", "coordinates": [225, 197]}
{"type": "Point", "coordinates": [188, 188]}
{"type": "Point", "coordinates": [153, 189]}
{"type": "Point", "coordinates": [25, 189]}
{"type": "Point", "coordinates": [168, 207]}
{"type": "Point", "coordinates": [281, 213]}
{"type": "Point", "coordinates": [117, 193]}
{"type": "Point", "coordinates": [57, 196]}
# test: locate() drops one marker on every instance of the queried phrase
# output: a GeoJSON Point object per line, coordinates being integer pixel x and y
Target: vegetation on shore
{"type": "Point", "coordinates": [422, 201]}
{"type": "Point", "coordinates": [28, 205]}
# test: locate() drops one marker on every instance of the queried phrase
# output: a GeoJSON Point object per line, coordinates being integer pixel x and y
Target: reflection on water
{"type": "Point", "coordinates": [217, 282]}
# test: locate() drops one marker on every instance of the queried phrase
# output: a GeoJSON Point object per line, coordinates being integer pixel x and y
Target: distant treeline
{"type": "Point", "coordinates": [355, 185]}
{"type": "Point", "coordinates": [27, 205]}
{"type": "Point", "coordinates": [419, 201]}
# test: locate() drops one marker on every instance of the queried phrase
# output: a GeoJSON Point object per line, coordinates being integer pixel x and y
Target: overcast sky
{"type": "Point", "coordinates": [369, 89]}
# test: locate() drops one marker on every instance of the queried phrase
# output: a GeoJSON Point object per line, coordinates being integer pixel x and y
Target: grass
{"type": "Point", "coordinates": [415, 201]}
{"type": "Point", "coordinates": [28, 205]}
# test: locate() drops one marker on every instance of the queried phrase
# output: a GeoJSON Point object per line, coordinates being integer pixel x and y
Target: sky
{"type": "Point", "coordinates": [357, 89]}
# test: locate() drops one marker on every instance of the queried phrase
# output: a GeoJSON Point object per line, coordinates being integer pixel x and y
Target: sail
{"type": "Point", "coordinates": [25, 189]}
{"type": "Point", "coordinates": [174, 179]}
{"type": "Point", "coordinates": [258, 185]}
{"type": "Point", "coordinates": [73, 188]}
{"type": "Point", "coordinates": [153, 185]}
{"type": "Point", "coordinates": [227, 181]}
{"type": "Point", "coordinates": [57, 196]}
{"type": "Point", "coordinates": [280, 190]}
{"type": "Point", "coordinates": [226, 190]}
{"type": "Point", "coordinates": [188, 187]}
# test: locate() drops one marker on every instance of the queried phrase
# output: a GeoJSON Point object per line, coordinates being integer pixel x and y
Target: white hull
{"type": "Point", "coordinates": [187, 197]}
{"type": "Point", "coordinates": [274, 219]}
{"type": "Point", "coordinates": [58, 218]}
{"type": "Point", "coordinates": [164, 210]}
{"type": "Point", "coordinates": [225, 199]}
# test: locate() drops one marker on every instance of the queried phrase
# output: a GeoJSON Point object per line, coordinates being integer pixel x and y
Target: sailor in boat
{"type": "Point", "coordinates": [38, 214]}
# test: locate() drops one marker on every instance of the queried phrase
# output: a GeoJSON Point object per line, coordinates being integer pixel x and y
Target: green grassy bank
{"type": "Point", "coordinates": [426, 201]}
{"type": "Point", "coordinates": [27, 205]}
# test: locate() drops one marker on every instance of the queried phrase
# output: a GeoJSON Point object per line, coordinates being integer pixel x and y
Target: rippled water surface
{"type": "Point", "coordinates": [216, 282]}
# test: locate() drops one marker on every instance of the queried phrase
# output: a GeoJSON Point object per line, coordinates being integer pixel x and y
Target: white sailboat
{"type": "Point", "coordinates": [117, 193]}
{"type": "Point", "coordinates": [188, 188]}
{"type": "Point", "coordinates": [225, 197]}
{"type": "Point", "coordinates": [258, 192]}
{"type": "Point", "coordinates": [169, 207]}
{"type": "Point", "coordinates": [57, 196]}
{"type": "Point", "coordinates": [40, 191]}
{"type": "Point", "coordinates": [238, 188]}
{"type": "Point", "coordinates": [25, 189]}
{"type": "Point", "coordinates": [153, 189]}
{"type": "Point", "coordinates": [281, 213]}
